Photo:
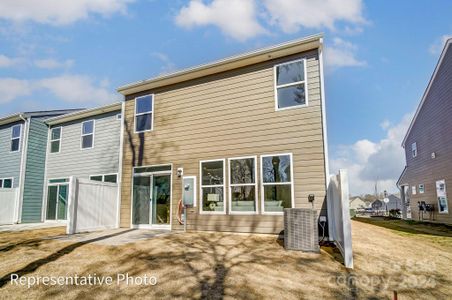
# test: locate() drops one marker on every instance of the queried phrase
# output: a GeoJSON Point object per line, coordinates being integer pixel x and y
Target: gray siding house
{"type": "Point", "coordinates": [84, 144]}
{"type": "Point", "coordinates": [23, 139]}
{"type": "Point", "coordinates": [426, 182]}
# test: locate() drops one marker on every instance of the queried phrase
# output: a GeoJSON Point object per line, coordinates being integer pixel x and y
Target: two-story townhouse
{"type": "Point", "coordinates": [23, 140]}
{"type": "Point", "coordinates": [84, 144]}
{"type": "Point", "coordinates": [428, 148]}
{"type": "Point", "coordinates": [247, 132]}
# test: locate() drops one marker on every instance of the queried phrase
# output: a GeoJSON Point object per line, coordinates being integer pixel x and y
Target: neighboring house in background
{"type": "Point", "coordinates": [84, 144]}
{"type": "Point", "coordinates": [23, 140]}
{"type": "Point", "coordinates": [377, 205]}
{"type": "Point", "coordinates": [428, 146]}
{"type": "Point", "coordinates": [394, 203]}
{"type": "Point", "coordinates": [357, 203]}
{"type": "Point", "coordinates": [247, 132]}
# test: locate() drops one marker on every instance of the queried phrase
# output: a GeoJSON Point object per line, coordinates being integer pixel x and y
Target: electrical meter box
{"type": "Point", "coordinates": [189, 191]}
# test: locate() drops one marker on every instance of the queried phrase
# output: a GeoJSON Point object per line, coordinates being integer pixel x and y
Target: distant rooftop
{"type": "Point", "coordinates": [24, 115]}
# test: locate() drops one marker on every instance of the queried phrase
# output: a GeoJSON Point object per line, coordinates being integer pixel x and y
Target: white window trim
{"type": "Point", "coordinates": [207, 186]}
{"type": "Point", "coordinates": [413, 191]}
{"type": "Point", "coordinates": [11, 138]}
{"type": "Point", "coordinates": [231, 212]}
{"type": "Point", "coordinates": [414, 150]}
{"type": "Point", "coordinates": [195, 190]}
{"type": "Point", "coordinates": [54, 140]}
{"type": "Point", "coordinates": [446, 212]}
{"type": "Point", "coordinates": [103, 177]}
{"type": "Point", "coordinates": [421, 191]}
{"type": "Point", "coordinates": [292, 192]}
{"type": "Point", "coordinates": [144, 113]}
{"type": "Point", "coordinates": [86, 134]}
{"type": "Point", "coordinates": [3, 182]}
{"type": "Point", "coordinates": [276, 86]}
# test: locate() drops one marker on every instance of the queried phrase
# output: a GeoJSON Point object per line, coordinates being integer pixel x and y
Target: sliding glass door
{"type": "Point", "coordinates": [151, 200]}
{"type": "Point", "coordinates": [57, 196]}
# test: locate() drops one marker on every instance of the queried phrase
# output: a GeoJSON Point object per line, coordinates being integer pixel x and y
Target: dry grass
{"type": "Point", "coordinates": [221, 265]}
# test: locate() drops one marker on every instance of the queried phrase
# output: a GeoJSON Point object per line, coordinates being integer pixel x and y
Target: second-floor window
{"type": "Point", "coordinates": [16, 132]}
{"type": "Point", "coordinates": [144, 113]}
{"type": "Point", "coordinates": [55, 140]}
{"type": "Point", "coordinates": [88, 134]}
{"type": "Point", "coordinates": [290, 84]}
{"type": "Point", "coordinates": [413, 149]}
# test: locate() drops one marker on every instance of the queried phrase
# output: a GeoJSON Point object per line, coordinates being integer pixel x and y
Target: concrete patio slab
{"type": "Point", "coordinates": [29, 226]}
{"type": "Point", "coordinates": [113, 237]}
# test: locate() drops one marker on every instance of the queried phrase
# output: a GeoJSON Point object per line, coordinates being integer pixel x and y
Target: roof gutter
{"type": "Point", "coordinates": [234, 62]}
{"type": "Point", "coordinates": [86, 113]}
{"type": "Point", "coordinates": [12, 118]}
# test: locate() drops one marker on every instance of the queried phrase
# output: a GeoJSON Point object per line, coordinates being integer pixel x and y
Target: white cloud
{"type": "Point", "coordinates": [290, 15]}
{"type": "Point", "coordinates": [168, 64]}
{"type": "Point", "coordinates": [368, 162]}
{"type": "Point", "coordinates": [438, 45]}
{"type": "Point", "coordinates": [50, 63]}
{"type": "Point", "coordinates": [385, 124]}
{"type": "Point", "coordinates": [342, 54]}
{"type": "Point", "coordinates": [77, 89]}
{"type": "Point", "coordinates": [6, 61]}
{"type": "Point", "coordinates": [58, 12]}
{"type": "Point", "coordinates": [68, 88]}
{"type": "Point", "coordinates": [11, 88]}
{"type": "Point", "coordinates": [235, 18]}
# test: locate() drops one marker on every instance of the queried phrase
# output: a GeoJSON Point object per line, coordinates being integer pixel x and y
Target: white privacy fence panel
{"type": "Point", "coordinates": [9, 201]}
{"type": "Point", "coordinates": [92, 206]}
{"type": "Point", "coordinates": [339, 223]}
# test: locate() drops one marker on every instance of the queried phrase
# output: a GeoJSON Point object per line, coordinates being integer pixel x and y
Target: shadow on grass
{"type": "Point", "coordinates": [33, 266]}
{"type": "Point", "coordinates": [409, 226]}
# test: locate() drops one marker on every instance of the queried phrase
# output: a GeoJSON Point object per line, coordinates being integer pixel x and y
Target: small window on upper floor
{"type": "Point", "coordinates": [290, 85]}
{"type": "Point", "coordinates": [413, 149]}
{"type": "Point", "coordinates": [144, 113]}
{"type": "Point", "coordinates": [55, 140]}
{"type": "Point", "coordinates": [16, 133]}
{"type": "Point", "coordinates": [88, 134]}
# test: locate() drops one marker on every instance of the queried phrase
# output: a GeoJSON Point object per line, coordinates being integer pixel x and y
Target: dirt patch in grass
{"type": "Point", "coordinates": [229, 266]}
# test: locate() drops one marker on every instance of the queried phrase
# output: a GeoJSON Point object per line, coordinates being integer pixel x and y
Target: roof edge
{"type": "Point", "coordinates": [11, 118]}
{"type": "Point", "coordinates": [427, 90]}
{"type": "Point", "coordinates": [84, 113]}
{"type": "Point", "coordinates": [222, 65]}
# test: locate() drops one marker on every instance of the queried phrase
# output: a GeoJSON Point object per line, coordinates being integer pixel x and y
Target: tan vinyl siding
{"type": "Point", "coordinates": [432, 133]}
{"type": "Point", "coordinates": [229, 115]}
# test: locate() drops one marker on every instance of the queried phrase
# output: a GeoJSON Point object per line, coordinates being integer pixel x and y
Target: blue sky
{"type": "Point", "coordinates": [379, 58]}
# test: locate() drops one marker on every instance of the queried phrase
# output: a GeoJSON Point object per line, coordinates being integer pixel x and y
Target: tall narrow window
{"type": "Point", "coordinates": [55, 140]}
{"type": "Point", "coordinates": [212, 186]}
{"type": "Point", "coordinates": [144, 116]}
{"type": "Point", "coordinates": [88, 134]}
{"type": "Point", "coordinates": [441, 194]}
{"type": "Point", "coordinates": [414, 149]}
{"type": "Point", "coordinates": [16, 133]}
{"type": "Point", "coordinates": [242, 185]}
{"type": "Point", "coordinates": [277, 182]}
{"type": "Point", "coordinates": [290, 84]}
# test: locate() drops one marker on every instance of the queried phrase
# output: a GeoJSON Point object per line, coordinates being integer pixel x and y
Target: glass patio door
{"type": "Point", "coordinates": [57, 196]}
{"type": "Point", "coordinates": [151, 200]}
{"type": "Point", "coordinates": [160, 202]}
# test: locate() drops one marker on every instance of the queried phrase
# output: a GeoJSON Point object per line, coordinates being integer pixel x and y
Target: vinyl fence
{"type": "Point", "coordinates": [9, 201]}
{"type": "Point", "coordinates": [92, 206]}
{"type": "Point", "coordinates": [339, 223]}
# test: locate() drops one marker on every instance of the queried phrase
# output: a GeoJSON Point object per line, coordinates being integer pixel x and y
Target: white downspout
{"type": "Point", "coordinates": [121, 143]}
{"type": "Point", "coordinates": [23, 161]}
